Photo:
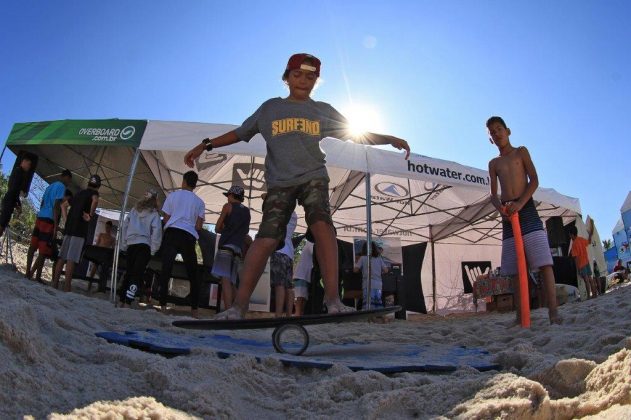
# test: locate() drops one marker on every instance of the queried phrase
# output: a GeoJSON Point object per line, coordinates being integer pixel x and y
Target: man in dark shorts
{"type": "Point", "coordinates": [233, 225]}
{"type": "Point", "coordinates": [46, 224]}
{"type": "Point", "coordinates": [81, 212]}
{"type": "Point", "coordinates": [11, 199]}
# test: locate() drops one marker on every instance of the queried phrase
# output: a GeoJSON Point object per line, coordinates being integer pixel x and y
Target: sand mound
{"type": "Point", "coordinates": [509, 396]}
{"type": "Point", "coordinates": [130, 409]}
{"type": "Point", "coordinates": [53, 363]}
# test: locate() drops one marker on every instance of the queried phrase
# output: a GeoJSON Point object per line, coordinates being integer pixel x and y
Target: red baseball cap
{"type": "Point", "coordinates": [296, 62]}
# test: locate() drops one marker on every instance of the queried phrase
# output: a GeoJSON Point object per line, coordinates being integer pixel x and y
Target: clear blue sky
{"type": "Point", "coordinates": [432, 72]}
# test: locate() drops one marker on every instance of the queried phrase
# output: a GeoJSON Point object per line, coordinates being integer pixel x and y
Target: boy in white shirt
{"type": "Point", "coordinates": [183, 216]}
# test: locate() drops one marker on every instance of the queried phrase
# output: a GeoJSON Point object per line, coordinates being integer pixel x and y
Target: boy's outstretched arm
{"type": "Point", "coordinates": [223, 140]}
{"type": "Point", "coordinates": [377, 139]}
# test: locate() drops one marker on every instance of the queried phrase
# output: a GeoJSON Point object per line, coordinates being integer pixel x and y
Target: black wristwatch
{"type": "Point", "coordinates": [209, 146]}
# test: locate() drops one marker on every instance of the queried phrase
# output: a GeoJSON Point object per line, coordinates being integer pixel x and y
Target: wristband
{"type": "Point", "coordinates": [208, 145]}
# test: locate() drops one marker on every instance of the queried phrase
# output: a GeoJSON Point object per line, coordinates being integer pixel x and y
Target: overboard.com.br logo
{"type": "Point", "coordinates": [128, 132]}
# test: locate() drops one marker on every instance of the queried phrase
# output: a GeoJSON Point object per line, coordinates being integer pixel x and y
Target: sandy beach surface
{"type": "Point", "coordinates": [53, 366]}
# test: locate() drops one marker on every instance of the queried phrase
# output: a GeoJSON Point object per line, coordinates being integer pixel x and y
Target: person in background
{"type": "Point", "coordinates": [377, 268]}
{"type": "Point", "coordinates": [141, 238]}
{"type": "Point", "coordinates": [38, 266]}
{"type": "Point", "coordinates": [302, 277]}
{"type": "Point", "coordinates": [518, 179]}
{"type": "Point", "coordinates": [620, 270]}
{"type": "Point", "coordinates": [579, 251]}
{"type": "Point", "coordinates": [600, 282]}
{"type": "Point", "coordinates": [15, 188]}
{"type": "Point", "coordinates": [233, 225]}
{"type": "Point", "coordinates": [281, 272]}
{"type": "Point", "coordinates": [389, 297]}
{"type": "Point", "coordinates": [82, 210]}
{"type": "Point", "coordinates": [47, 223]}
{"type": "Point", "coordinates": [104, 240]}
{"type": "Point", "coordinates": [183, 217]}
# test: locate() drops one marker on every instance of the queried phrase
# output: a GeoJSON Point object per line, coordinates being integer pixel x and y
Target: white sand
{"type": "Point", "coordinates": [53, 366]}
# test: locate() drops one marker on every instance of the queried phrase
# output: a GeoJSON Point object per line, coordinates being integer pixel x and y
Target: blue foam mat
{"type": "Point", "coordinates": [382, 357]}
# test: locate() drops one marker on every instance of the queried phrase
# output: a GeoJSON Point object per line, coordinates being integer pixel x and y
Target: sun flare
{"type": "Point", "coordinates": [363, 118]}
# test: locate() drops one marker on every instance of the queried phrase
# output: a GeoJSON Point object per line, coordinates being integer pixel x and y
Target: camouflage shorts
{"type": "Point", "coordinates": [280, 202]}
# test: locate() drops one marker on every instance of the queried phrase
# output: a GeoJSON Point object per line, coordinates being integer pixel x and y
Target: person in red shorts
{"type": "Point", "coordinates": [47, 221]}
{"type": "Point", "coordinates": [579, 251]}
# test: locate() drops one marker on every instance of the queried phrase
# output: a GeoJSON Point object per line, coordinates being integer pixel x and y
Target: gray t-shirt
{"type": "Point", "coordinates": [292, 131]}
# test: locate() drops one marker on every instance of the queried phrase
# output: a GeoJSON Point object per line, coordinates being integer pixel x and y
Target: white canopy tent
{"type": "Point", "coordinates": [620, 240]}
{"type": "Point", "coordinates": [423, 200]}
{"type": "Point", "coordinates": [443, 203]}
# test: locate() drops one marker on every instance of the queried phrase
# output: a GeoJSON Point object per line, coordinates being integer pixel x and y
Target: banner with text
{"type": "Point", "coordinates": [427, 169]}
{"type": "Point", "coordinates": [113, 132]}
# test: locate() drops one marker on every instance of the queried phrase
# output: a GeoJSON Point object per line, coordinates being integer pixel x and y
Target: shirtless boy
{"type": "Point", "coordinates": [518, 181]}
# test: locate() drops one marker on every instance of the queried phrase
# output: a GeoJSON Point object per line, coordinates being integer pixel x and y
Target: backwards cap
{"type": "Point", "coordinates": [296, 62]}
{"type": "Point", "coordinates": [235, 190]}
{"type": "Point", "coordinates": [95, 181]}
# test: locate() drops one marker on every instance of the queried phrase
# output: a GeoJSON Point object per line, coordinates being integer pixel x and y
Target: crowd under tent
{"type": "Point", "coordinates": [86, 147]}
{"type": "Point", "coordinates": [438, 208]}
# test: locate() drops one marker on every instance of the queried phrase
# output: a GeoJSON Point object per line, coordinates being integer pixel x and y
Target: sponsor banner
{"type": "Point", "coordinates": [79, 132]}
{"type": "Point", "coordinates": [419, 167]}
{"type": "Point", "coordinates": [346, 230]}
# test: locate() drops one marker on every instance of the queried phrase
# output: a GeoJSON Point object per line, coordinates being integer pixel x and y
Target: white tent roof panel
{"type": "Point", "coordinates": [408, 197]}
{"type": "Point", "coordinates": [619, 227]}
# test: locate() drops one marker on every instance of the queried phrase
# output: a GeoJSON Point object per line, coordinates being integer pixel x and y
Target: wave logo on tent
{"type": "Point", "coordinates": [252, 175]}
{"type": "Point", "coordinates": [391, 190]}
{"type": "Point", "coordinates": [209, 160]}
{"type": "Point", "coordinates": [128, 132]}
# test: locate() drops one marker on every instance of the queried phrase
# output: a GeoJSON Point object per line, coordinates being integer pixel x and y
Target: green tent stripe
{"type": "Point", "coordinates": [112, 132]}
{"type": "Point", "coordinates": [23, 131]}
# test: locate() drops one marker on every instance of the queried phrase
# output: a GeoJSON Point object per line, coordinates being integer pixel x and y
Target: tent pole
{"type": "Point", "coordinates": [431, 242]}
{"type": "Point", "coordinates": [121, 219]}
{"type": "Point", "coordinates": [251, 180]}
{"type": "Point", "coordinates": [368, 239]}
